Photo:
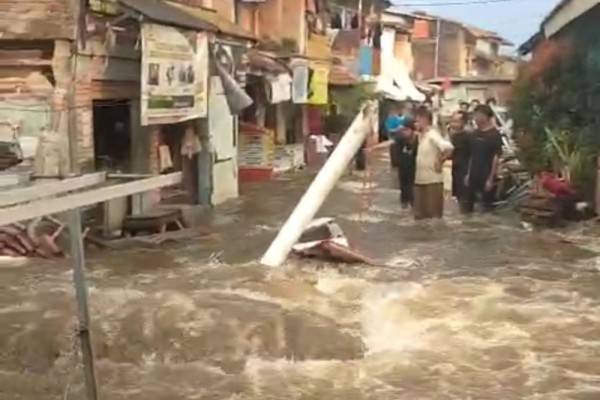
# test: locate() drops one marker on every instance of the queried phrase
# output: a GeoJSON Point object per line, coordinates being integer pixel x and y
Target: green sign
{"type": "Point", "coordinates": [104, 6]}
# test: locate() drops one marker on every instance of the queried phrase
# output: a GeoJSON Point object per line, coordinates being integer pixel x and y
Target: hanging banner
{"type": "Point", "coordinates": [318, 92]}
{"type": "Point", "coordinates": [174, 75]}
{"type": "Point", "coordinates": [280, 88]}
{"type": "Point", "coordinates": [300, 83]}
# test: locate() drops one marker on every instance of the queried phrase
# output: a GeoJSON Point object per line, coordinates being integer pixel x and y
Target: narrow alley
{"type": "Point", "coordinates": [477, 308]}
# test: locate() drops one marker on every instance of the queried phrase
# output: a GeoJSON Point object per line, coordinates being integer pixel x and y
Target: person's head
{"type": "Point", "coordinates": [458, 121]}
{"type": "Point", "coordinates": [423, 118]}
{"type": "Point", "coordinates": [394, 109]}
{"type": "Point", "coordinates": [474, 104]}
{"type": "Point", "coordinates": [428, 104]}
{"type": "Point", "coordinates": [491, 102]}
{"type": "Point", "coordinates": [463, 106]}
{"type": "Point", "coordinates": [483, 116]}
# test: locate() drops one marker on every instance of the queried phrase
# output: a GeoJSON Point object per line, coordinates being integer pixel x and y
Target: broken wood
{"type": "Point", "coordinates": [325, 239]}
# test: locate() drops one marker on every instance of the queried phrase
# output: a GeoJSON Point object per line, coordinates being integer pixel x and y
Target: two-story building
{"type": "Point", "coordinates": [124, 85]}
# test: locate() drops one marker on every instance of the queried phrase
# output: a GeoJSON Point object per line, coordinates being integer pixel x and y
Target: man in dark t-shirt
{"type": "Point", "coordinates": [407, 144]}
{"type": "Point", "coordinates": [460, 156]}
{"type": "Point", "coordinates": [485, 149]}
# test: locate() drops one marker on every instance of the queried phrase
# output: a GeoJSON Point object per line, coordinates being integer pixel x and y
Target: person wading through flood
{"type": "Point", "coordinates": [460, 157]}
{"type": "Point", "coordinates": [407, 145]}
{"type": "Point", "coordinates": [403, 151]}
{"type": "Point", "coordinates": [429, 179]}
{"type": "Point", "coordinates": [485, 149]}
{"type": "Point", "coordinates": [393, 124]}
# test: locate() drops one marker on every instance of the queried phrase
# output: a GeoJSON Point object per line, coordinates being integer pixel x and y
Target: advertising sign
{"type": "Point", "coordinates": [174, 75]}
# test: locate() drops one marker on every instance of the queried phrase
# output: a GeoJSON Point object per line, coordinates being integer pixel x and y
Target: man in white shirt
{"type": "Point", "coordinates": [429, 180]}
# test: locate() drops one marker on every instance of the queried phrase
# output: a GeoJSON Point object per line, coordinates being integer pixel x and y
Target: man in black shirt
{"type": "Point", "coordinates": [485, 149]}
{"type": "Point", "coordinates": [406, 148]}
{"type": "Point", "coordinates": [460, 156]}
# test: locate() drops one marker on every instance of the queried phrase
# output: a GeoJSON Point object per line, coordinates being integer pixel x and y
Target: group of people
{"type": "Point", "coordinates": [419, 151]}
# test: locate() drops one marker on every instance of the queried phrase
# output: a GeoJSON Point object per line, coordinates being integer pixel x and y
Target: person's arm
{"type": "Point", "coordinates": [444, 145]}
{"type": "Point", "coordinates": [489, 183]}
{"type": "Point", "coordinates": [469, 154]}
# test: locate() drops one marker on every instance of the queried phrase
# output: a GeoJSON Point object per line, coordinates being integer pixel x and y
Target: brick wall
{"type": "Point", "coordinates": [39, 19]}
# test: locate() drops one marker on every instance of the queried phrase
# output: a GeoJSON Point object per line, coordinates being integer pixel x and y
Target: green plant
{"type": "Point", "coordinates": [568, 154]}
{"type": "Point", "coordinates": [555, 111]}
{"type": "Point", "coordinates": [349, 99]}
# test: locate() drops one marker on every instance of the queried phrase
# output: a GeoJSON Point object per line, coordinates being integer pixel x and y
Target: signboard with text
{"type": "Point", "coordinates": [174, 75]}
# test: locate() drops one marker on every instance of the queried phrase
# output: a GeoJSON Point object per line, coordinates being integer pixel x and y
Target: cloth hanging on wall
{"type": "Point", "coordinates": [318, 83]}
{"type": "Point", "coordinates": [280, 88]}
{"type": "Point", "coordinates": [300, 83]}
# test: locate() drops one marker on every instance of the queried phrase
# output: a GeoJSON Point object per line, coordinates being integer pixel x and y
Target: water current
{"type": "Point", "coordinates": [477, 308]}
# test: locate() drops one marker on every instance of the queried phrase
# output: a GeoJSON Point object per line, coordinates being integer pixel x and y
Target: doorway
{"type": "Point", "coordinates": [112, 135]}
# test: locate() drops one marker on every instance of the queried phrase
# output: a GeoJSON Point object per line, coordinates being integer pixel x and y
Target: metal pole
{"type": "Point", "coordinates": [437, 49]}
{"type": "Point", "coordinates": [360, 14]}
{"type": "Point", "coordinates": [320, 188]}
{"type": "Point", "coordinates": [81, 292]}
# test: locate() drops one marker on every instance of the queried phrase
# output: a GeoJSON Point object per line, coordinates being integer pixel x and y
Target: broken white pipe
{"type": "Point", "coordinates": [320, 188]}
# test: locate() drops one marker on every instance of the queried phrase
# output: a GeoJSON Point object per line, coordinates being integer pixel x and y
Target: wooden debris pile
{"type": "Point", "coordinates": [542, 209]}
{"type": "Point", "coordinates": [38, 238]}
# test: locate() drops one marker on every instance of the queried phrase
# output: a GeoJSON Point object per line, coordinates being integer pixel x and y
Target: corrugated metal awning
{"type": "Point", "coordinates": [164, 13]}
{"type": "Point", "coordinates": [263, 62]}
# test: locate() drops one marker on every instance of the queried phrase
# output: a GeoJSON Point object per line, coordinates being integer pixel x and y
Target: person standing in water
{"type": "Point", "coordinates": [485, 149]}
{"type": "Point", "coordinates": [407, 147]}
{"type": "Point", "coordinates": [460, 157]}
{"type": "Point", "coordinates": [393, 124]}
{"type": "Point", "coordinates": [429, 180]}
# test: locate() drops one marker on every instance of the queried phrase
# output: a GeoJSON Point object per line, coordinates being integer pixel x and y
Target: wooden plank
{"type": "Point", "coordinates": [56, 205]}
{"type": "Point", "coordinates": [36, 192]}
{"type": "Point", "coordinates": [129, 176]}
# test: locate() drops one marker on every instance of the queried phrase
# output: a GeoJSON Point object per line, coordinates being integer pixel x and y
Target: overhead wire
{"type": "Point", "coordinates": [450, 3]}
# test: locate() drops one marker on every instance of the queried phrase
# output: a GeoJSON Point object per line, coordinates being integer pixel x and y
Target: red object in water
{"type": "Point", "coordinates": [255, 174]}
{"type": "Point", "coordinates": [556, 185]}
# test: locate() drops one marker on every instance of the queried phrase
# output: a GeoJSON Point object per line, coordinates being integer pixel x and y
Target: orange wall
{"type": "Point", "coordinates": [247, 18]}
{"type": "Point", "coordinates": [225, 8]}
{"type": "Point", "coordinates": [293, 24]}
{"type": "Point", "coordinates": [270, 16]}
{"type": "Point", "coordinates": [276, 20]}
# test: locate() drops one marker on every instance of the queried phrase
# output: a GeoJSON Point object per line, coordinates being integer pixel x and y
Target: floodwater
{"type": "Point", "coordinates": [466, 309]}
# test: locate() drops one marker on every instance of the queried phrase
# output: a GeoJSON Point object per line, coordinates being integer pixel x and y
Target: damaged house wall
{"type": "Point", "coordinates": [28, 34]}
{"type": "Point", "coordinates": [37, 63]}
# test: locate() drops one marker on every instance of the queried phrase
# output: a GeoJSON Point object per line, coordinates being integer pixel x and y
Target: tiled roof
{"type": "Point", "coordinates": [339, 75]}
{"type": "Point", "coordinates": [265, 62]}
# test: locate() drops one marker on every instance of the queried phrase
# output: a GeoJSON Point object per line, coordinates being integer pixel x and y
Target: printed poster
{"type": "Point", "coordinates": [318, 88]}
{"type": "Point", "coordinates": [174, 75]}
{"type": "Point", "coordinates": [300, 84]}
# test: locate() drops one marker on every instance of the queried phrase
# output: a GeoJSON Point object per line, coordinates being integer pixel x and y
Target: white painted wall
{"type": "Point", "coordinates": [484, 46]}
{"type": "Point", "coordinates": [223, 131]}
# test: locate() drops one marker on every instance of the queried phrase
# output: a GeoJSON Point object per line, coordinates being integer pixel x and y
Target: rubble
{"type": "Point", "coordinates": [36, 239]}
{"type": "Point", "coordinates": [324, 239]}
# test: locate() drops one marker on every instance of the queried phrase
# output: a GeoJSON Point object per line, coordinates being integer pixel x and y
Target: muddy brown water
{"type": "Point", "coordinates": [475, 308]}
